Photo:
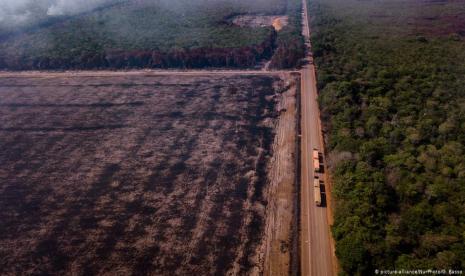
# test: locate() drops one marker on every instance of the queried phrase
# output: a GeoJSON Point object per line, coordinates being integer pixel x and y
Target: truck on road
{"type": "Point", "coordinates": [317, 191]}
{"type": "Point", "coordinates": [316, 160]}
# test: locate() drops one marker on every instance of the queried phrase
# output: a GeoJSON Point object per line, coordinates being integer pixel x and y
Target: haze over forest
{"type": "Point", "coordinates": [16, 13]}
{"type": "Point", "coordinates": [19, 12]}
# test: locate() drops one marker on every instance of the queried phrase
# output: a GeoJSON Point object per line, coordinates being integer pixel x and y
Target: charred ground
{"type": "Point", "coordinates": [134, 174]}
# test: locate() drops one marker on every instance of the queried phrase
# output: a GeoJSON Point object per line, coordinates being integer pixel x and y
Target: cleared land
{"type": "Point", "coordinates": [277, 21]}
{"type": "Point", "coordinates": [281, 254]}
{"type": "Point", "coordinates": [134, 174]}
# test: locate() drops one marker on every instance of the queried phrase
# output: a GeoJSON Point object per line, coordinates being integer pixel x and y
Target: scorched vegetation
{"type": "Point", "coordinates": [134, 174]}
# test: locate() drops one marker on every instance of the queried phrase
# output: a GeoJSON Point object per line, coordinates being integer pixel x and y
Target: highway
{"type": "Point", "coordinates": [317, 256]}
{"type": "Point", "coordinates": [317, 248]}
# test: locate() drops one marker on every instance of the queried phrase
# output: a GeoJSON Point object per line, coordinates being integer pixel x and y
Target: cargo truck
{"type": "Point", "coordinates": [316, 160]}
{"type": "Point", "coordinates": [317, 191]}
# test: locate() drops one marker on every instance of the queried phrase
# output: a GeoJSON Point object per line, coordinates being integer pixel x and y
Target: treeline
{"type": "Point", "coordinates": [394, 122]}
{"type": "Point", "coordinates": [288, 54]}
{"type": "Point", "coordinates": [290, 43]}
{"type": "Point", "coordinates": [103, 39]}
{"type": "Point", "coordinates": [128, 34]}
{"type": "Point", "coordinates": [241, 57]}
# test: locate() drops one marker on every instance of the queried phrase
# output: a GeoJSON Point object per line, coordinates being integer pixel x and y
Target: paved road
{"type": "Point", "coordinates": [316, 249]}
{"type": "Point", "coordinates": [317, 253]}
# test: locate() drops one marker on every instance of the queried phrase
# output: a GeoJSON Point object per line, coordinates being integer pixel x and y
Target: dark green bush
{"type": "Point", "coordinates": [393, 98]}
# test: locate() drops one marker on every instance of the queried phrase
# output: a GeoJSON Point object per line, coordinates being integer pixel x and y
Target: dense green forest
{"type": "Point", "coordinates": [391, 78]}
{"type": "Point", "coordinates": [158, 34]}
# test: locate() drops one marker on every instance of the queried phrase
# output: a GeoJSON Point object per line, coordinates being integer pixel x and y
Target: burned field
{"type": "Point", "coordinates": [135, 174]}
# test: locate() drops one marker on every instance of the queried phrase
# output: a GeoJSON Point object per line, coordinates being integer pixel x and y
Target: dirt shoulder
{"type": "Point", "coordinates": [278, 244]}
{"type": "Point", "coordinates": [137, 174]}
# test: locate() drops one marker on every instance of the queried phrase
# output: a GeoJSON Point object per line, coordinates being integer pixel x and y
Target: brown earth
{"type": "Point", "coordinates": [277, 21]}
{"type": "Point", "coordinates": [281, 219]}
{"type": "Point", "coordinates": [137, 174]}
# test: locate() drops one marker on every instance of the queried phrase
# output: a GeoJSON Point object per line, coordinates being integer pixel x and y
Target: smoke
{"type": "Point", "coordinates": [21, 12]}
{"type": "Point", "coordinates": [12, 11]}
{"type": "Point", "coordinates": [65, 7]}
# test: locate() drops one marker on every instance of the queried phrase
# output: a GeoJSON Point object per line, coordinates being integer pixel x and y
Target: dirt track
{"type": "Point", "coordinates": [203, 207]}
{"type": "Point", "coordinates": [282, 195]}
{"type": "Point", "coordinates": [147, 73]}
